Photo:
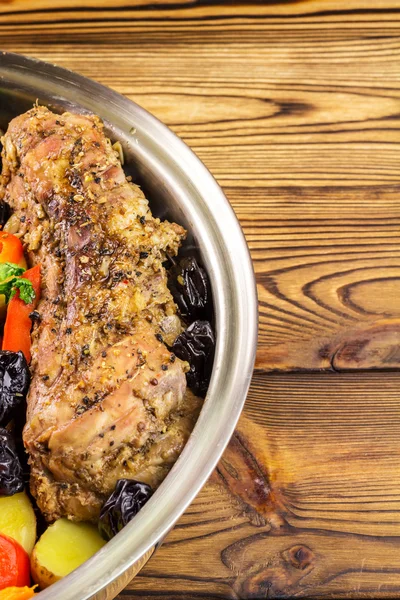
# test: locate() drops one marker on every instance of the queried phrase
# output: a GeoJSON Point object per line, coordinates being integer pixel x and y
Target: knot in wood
{"type": "Point", "coordinates": [299, 557]}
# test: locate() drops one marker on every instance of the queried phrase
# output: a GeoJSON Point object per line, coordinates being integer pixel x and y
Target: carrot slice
{"type": "Point", "coordinates": [11, 249]}
{"type": "Point", "coordinates": [17, 593]}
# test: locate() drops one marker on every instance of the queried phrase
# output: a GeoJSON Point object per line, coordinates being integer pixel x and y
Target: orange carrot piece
{"type": "Point", "coordinates": [11, 249]}
{"type": "Point", "coordinates": [17, 593]}
{"type": "Point", "coordinates": [17, 328]}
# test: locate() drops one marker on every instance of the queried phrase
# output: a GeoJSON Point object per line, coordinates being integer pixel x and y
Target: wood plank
{"type": "Point", "coordinates": [304, 503]}
{"type": "Point", "coordinates": [159, 9]}
{"type": "Point", "coordinates": [303, 134]}
{"type": "Point", "coordinates": [294, 107]}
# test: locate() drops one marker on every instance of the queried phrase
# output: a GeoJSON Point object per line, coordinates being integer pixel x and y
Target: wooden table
{"type": "Point", "coordinates": [294, 107]}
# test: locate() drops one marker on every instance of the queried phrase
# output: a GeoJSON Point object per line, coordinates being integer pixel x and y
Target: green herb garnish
{"type": "Point", "coordinates": [11, 281]}
{"type": "Point", "coordinates": [8, 270]}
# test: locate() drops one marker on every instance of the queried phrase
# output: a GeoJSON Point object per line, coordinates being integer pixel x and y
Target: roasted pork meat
{"type": "Point", "coordinates": [107, 398]}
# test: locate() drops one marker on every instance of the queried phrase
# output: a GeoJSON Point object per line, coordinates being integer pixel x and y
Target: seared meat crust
{"type": "Point", "coordinates": [107, 398]}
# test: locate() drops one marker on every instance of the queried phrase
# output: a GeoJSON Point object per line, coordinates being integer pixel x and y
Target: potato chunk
{"type": "Point", "coordinates": [18, 520]}
{"type": "Point", "coordinates": [62, 548]}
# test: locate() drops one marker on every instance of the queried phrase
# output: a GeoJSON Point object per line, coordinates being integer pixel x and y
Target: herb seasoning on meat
{"type": "Point", "coordinates": [98, 359]}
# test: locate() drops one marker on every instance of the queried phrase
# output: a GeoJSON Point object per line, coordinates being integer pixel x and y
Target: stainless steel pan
{"type": "Point", "coordinates": [179, 187]}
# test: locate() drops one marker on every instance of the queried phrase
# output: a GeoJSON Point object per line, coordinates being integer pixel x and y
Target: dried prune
{"type": "Point", "coordinates": [14, 383]}
{"type": "Point", "coordinates": [11, 476]}
{"type": "Point", "coordinates": [196, 345]}
{"type": "Point", "coordinates": [5, 213]}
{"type": "Point", "coordinates": [124, 503]}
{"type": "Point", "coordinates": [190, 288]}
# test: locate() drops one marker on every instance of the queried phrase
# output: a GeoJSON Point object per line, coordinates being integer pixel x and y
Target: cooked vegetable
{"type": "Point", "coordinates": [9, 269]}
{"type": "Point", "coordinates": [17, 593]}
{"type": "Point", "coordinates": [14, 383]}
{"type": "Point", "coordinates": [11, 249]}
{"type": "Point", "coordinates": [124, 503]}
{"type": "Point", "coordinates": [62, 548]}
{"type": "Point", "coordinates": [17, 329]}
{"type": "Point", "coordinates": [14, 564]}
{"type": "Point", "coordinates": [11, 281]}
{"type": "Point", "coordinates": [18, 520]}
{"type": "Point", "coordinates": [3, 307]}
{"type": "Point", "coordinates": [11, 477]}
{"type": "Point", "coordinates": [5, 213]}
{"type": "Point", "coordinates": [196, 345]}
{"type": "Point", "coordinates": [190, 288]}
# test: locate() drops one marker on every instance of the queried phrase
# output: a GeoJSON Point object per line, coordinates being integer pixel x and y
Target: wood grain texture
{"type": "Point", "coordinates": [305, 502]}
{"type": "Point", "coordinates": [294, 107]}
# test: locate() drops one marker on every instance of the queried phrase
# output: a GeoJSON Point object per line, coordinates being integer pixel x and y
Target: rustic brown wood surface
{"type": "Point", "coordinates": [294, 107]}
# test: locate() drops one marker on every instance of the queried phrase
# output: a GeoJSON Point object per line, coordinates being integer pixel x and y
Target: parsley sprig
{"type": "Point", "coordinates": [11, 281]}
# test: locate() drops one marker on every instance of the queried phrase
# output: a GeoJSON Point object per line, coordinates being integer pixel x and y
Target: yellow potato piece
{"type": "Point", "coordinates": [3, 307]}
{"type": "Point", "coordinates": [18, 520]}
{"type": "Point", "coordinates": [62, 548]}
